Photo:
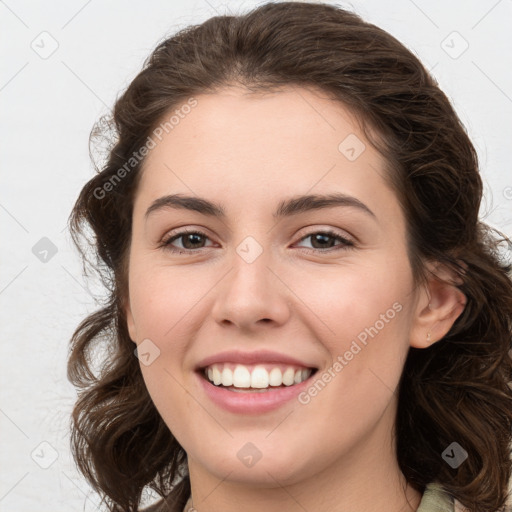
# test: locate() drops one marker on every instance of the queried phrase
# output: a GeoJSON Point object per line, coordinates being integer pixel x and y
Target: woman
{"type": "Point", "coordinates": [247, 370]}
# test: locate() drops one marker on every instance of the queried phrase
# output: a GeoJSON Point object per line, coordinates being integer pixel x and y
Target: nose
{"type": "Point", "coordinates": [251, 295]}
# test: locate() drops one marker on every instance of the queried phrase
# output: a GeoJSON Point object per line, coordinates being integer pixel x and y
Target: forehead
{"type": "Point", "coordinates": [249, 147]}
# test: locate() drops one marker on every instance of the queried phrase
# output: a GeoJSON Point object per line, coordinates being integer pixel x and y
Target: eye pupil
{"type": "Point", "coordinates": [322, 238]}
{"type": "Point", "coordinates": [190, 238]}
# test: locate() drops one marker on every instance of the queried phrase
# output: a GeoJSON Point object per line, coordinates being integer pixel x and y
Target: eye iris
{"type": "Point", "coordinates": [322, 237]}
{"type": "Point", "coordinates": [187, 238]}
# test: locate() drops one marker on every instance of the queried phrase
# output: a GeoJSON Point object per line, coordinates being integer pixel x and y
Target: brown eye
{"type": "Point", "coordinates": [190, 240]}
{"type": "Point", "coordinates": [324, 240]}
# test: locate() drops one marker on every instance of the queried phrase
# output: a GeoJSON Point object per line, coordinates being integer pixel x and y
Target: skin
{"type": "Point", "coordinates": [249, 152]}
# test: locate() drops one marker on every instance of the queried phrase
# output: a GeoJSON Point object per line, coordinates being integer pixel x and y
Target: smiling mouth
{"type": "Point", "coordinates": [257, 378]}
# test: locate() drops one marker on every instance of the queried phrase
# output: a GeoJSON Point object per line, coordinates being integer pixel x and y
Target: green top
{"type": "Point", "coordinates": [434, 499]}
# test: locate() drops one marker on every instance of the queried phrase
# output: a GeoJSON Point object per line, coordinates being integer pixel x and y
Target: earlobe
{"type": "Point", "coordinates": [439, 305]}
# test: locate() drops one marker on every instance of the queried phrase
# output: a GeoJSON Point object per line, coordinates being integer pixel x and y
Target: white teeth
{"type": "Point", "coordinates": [217, 379]}
{"type": "Point", "coordinates": [258, 378]}
{"type": "Point", "coordinates": [241, 377]}
{"type": "Point", "coordinates": [288, 377]}
{"type": "Point", "coordinates": [275, 377]}
{"type": "Point", "coordinates": [227, 377]}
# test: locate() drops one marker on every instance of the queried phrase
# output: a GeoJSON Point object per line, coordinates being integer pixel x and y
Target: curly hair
{"type": "Point", "coordinates": [455, 390]}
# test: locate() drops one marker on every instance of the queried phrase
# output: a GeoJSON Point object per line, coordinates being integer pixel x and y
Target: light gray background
{"type": "Point", "coordinates": [48, 106]}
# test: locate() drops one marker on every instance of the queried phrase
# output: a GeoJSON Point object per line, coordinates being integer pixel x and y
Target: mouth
{"type": "Point", "coordinates": [255, 378]}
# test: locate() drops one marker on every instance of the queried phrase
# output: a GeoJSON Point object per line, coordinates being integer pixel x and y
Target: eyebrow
{"type": "Point", "coordinates": [286, 208]}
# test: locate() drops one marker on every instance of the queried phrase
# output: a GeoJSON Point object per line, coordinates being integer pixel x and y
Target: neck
{"type": "Point", "coordinates": [363, 479]}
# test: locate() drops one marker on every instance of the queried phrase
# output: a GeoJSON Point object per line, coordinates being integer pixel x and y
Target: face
{"type": "Point", "coordinates": [327, 289]}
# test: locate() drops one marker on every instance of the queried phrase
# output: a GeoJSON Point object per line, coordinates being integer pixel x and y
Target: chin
{"type": "Point", "coordinates": [272, 470]}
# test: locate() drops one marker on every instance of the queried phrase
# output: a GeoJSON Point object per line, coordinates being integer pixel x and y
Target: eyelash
{"type": "Point", "coordinates": [345, 243]}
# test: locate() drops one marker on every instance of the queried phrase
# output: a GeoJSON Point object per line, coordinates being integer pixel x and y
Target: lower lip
{"type": "Point", "coordinates": [252, 402]}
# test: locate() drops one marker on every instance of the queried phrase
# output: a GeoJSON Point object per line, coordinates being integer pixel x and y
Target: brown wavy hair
{"type": "Point", "coordinates": [455, 390]}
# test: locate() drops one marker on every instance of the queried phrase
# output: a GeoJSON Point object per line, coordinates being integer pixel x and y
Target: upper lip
{"type": "Point", "coordinates": [260, 356]}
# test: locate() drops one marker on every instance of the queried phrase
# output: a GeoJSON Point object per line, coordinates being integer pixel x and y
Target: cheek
{"type": "Point", "coordinates": [162, 297]}
{"type": "Point", "coordinates": [362, 317]}
{"type": "Point", "coordinates": [346, 301]}
{"type": "Point", "coordinates": [162, 302]}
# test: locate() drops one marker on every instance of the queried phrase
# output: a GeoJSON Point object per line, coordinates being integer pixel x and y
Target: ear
{"type": "Point", "coordinates": [439, 304]}
{"type": "Point", "coordinates": [132, 331]}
